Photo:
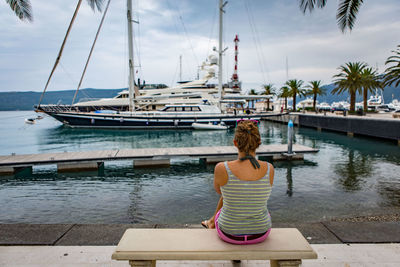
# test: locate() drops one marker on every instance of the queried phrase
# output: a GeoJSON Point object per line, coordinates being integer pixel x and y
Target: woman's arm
{"type": "Point", "coordinates": [220, 177]}
{"type": "Point", "coordinates": [271, 174]}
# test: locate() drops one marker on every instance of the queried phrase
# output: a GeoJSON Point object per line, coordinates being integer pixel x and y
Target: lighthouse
{"type": "Point", "coordinates": [235, 84]}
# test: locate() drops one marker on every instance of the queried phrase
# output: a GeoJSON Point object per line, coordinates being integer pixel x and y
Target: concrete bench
{"type": "Point", "coordinates": [143, 247]}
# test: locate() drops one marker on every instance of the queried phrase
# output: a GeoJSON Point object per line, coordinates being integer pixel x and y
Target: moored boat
{"type": "Point", "coordinates": [209, 126]}
{"type": "Point", "coordinates": [30, 121]}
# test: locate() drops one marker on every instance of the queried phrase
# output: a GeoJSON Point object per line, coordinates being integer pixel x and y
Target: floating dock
{"type": "Point", "coordinates": [142, 157]}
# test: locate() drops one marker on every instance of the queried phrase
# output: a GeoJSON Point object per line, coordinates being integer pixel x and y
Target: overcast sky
{"type": "Point", "coordinates": [270, 31]}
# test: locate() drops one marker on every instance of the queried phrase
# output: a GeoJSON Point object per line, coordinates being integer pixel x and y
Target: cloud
{"type": "Point", "coordinates": [270, 32]}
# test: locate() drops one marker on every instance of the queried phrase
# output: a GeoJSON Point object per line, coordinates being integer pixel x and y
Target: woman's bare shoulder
{"type": "Point", "coordinates": [219, 167]}
{"type": "Point", "coordinates": [220, 174]}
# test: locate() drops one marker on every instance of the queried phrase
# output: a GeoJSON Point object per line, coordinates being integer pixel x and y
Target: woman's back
{"type": "Point", "coordinates": [245, 200]}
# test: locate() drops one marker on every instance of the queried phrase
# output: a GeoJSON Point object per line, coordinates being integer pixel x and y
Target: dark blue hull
{"type": "Point", "coordinates": [118, 121]}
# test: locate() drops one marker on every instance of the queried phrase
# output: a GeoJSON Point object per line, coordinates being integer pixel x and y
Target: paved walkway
{"type": "Point", "coordinates": [354, 255]}
{"type": "Point", "coordinates": [351, 242]}
{"type": "Point", "coordinates": [329, 232]}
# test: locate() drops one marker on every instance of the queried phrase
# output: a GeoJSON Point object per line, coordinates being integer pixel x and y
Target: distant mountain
{"type": "Point", "coordinates": [389, 93]}
{"type": "Point", "coordinates": [26, 100]}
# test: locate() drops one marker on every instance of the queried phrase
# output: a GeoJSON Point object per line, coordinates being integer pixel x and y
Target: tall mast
{"type": "Point", "coordinates": [131, 71]}
{"type": "Point", "coordinates": [220, 50]}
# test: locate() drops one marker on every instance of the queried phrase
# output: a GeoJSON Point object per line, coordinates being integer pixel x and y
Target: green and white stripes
{"type": "Point", "coordinates": [245, 205]}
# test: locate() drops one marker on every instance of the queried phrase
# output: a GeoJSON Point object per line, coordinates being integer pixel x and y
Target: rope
{"type": "Point", "coordinates": [212, 29]}
{"type": "Point", "coordinates": [256, 40]}
{"type": "Point", "coordinates": [61, 50]}
{"type": "Point", "coordinates": [91, 51]}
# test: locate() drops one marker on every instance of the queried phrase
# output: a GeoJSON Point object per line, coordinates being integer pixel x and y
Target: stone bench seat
{"type": "Point", "coordinates": [143, 247]}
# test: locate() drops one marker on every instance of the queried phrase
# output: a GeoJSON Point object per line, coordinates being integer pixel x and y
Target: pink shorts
{"type": "Point", "coordinates": [246, 240]}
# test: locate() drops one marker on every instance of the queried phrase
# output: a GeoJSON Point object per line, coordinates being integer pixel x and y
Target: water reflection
{"type": "Point", "coordinates": [91, 139]}
{"type": "Point", "coordinates": [288, 167]}
{"type": "Point", "coordinates": [289, 181]}
{"type": "Point", "coordinates": [353, 171]}
{"type": "Point", "coordinates": [390, 190]}
{"type": "Point", "coordinates": [375, 149]}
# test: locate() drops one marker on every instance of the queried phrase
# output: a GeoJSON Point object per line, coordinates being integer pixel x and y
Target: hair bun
{"type": "Point", "coordinates": [247, 136]}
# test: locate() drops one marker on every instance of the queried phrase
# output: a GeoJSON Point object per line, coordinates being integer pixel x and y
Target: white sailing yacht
{"type": "Point", "coordinates": [177, 116]}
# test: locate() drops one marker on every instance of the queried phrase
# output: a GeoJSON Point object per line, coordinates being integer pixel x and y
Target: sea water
{"type": "Point", "coordinates": [347, 177]}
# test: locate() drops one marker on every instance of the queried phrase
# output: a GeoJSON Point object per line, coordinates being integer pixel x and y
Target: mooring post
{"type": "Point", "coordinates": [290, 137]}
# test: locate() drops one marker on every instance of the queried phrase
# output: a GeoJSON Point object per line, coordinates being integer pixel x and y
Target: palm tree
{"type": "Point", "coordinates": [253, 92]}
{"type": "Point", "coordinates": [350, 79]}
{"type": "Point", "coordinates": [269, 89]}
{"type": "Point", "coordinates": [295, 88]}
{"type": "Point", "coordinates": [23, 8]}
{"type": "Point", "coordinates": [346, 14]}
{"type": "Point", "coordinates": [371, 81]}
{"type": "Point", "coordinates": [392, 74]}
{"type": "Point", "coordinates": [315, 90]}
{"type": "Point", "coordinates": [285, 93]}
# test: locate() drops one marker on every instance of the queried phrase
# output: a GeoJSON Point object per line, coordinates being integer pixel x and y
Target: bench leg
{"type": "Point", "coordinates": [285, 263]}
{"type": "Point", "coordinates": [142, 263]}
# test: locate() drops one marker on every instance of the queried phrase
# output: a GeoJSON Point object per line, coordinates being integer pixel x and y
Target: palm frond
{"type": "Point", "coordinates": [347, 13]}
{"type": "Point", "coordinates": [311, 4]}
{"type": "Point", "coordinates": [96, 4]}
{"type": "Point", "coordinates": [21, 8]}
{"type": "Point", "coordinates": [392, 73]}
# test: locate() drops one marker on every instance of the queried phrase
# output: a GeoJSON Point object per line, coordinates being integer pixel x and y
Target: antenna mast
{"type": "Point", "coordinates": [287, 69]}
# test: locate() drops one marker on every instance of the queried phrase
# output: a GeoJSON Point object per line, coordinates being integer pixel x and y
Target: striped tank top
{"type": "Point", "coordinates": [244, 209]}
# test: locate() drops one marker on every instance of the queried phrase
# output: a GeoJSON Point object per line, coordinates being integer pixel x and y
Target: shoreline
{"type": "Point", "coordinates": [347, 230]}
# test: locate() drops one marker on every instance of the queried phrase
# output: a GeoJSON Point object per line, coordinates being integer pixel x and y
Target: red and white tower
{"type": "Point", "coordinates": [235, 77]}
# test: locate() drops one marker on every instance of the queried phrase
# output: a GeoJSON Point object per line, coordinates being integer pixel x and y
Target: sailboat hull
{"type": "Point", "coordinates": [116, 121]}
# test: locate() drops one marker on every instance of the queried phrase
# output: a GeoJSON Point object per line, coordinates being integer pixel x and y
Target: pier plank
{"type": "Point", "coordinates": [141, 153]}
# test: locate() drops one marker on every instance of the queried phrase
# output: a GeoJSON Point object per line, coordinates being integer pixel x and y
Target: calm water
{"type": "Point", "coordinates": [349, 176]}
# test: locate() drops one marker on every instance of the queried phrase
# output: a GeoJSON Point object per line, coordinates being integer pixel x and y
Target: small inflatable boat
{"type": "Point", "coordinates": [209, 126]}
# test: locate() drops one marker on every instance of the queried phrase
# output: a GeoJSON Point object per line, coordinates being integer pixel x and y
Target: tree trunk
{"type": "Point", "coordinates": [315, 101]}
{"type": "Point", "coordinates": [294, 102]}
{"type": "Point", "coordinates": [352, 101]}
{"type": "Point", "coordinates": [365, 97]}
{"type": "Point", "coordinates": [268, 104]}
{"type": "Point", "coordinates": [285, 103]}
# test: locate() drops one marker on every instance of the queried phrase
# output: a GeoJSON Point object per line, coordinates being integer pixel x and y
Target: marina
{"type": "Point", "coordinates": [92, 175]}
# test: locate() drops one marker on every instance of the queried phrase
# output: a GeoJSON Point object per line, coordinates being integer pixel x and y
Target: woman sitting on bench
{"type": "Point", "coordinates": [242, 215]}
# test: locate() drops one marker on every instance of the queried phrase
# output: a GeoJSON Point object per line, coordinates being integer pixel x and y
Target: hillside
{"type": "Point", "coordinates": [26, 100]}
{"type": "Point", "coordinates": [389, 93]}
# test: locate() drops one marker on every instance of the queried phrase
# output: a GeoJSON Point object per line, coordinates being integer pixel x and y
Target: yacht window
{"type": "Point", "coordinates": [195, 109]}
{"type": "Point", "coordinates": [178, 108]}
{"type": "Point", "coordinates": [153, 107]}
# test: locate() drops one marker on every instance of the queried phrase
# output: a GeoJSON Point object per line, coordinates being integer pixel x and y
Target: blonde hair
{"type": "Point", "coordinates": [247, 136]}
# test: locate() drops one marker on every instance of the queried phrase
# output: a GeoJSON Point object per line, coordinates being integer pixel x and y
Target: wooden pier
{"type": "Point", "coordinates": [90, 160]}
